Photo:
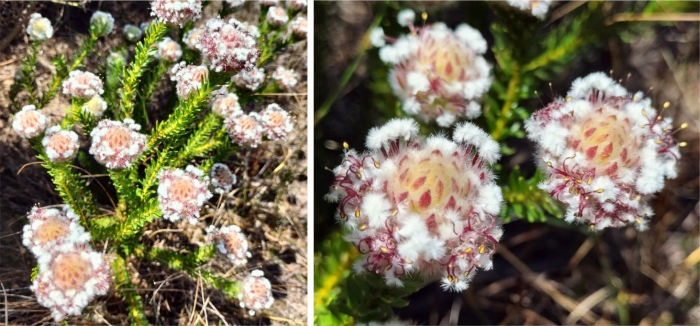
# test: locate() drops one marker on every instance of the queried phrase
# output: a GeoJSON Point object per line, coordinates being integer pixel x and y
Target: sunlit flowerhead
{"type": "Point", "coordinates": [29, 122]}
{"type": "Point", "coordinates": [256, 293]}
{"type": "Point", "coordinates": [231, 242]}
{"type": "Point", "coordinates": [299, 26]}
{"type": "Point", "coordinates": [228, 46]}
{"type": "Point", "coordinates": [182, 193]}
{"type": "Point", "coordinates": [188, 78]}
{"type": "Point", "coordinates": [39, 28]}
{"type": "Point", "coordinates": [245, 129]}
{"type": "Point", "coordinates": [222, 179]}
{"type": "Point", "coordinates": [96, 106]}
{"type": "Point", "coordinates": [192, 37]}
{"type": "Point", "coordinates": [296, 4]}
{"type": "Point", "coordinates": [102, 22]}
{"type": "Point", "coordinates": [276, 122]}
{"type": "Point", "coordinates": [249, 79]}
{"type": "Point", "coordinates": [606, 152]}
{"type": "Point", "coordinates": [82, 84]}
{"type": "Point", "coordinates": [50, 228]}
{"type": "Point", "coordinates": [69, 278]}
{"type": "Point", "coordinates": [421, 205]}
{"type": "Point", "coordinates": [117, 144]}
{"type": "Point", "coordinates": [176, 12]}
{"type": "Point", "coordinates": [439, 74]}
{"type": "Point", "coordinates": [132, 33]}
{"type": "Point", "coordinates": [169, 50]}
{"type": "Point", "coordinates": [277, 16]}
{"type": "Point", "coordinates": [537, 8]}
{"type": "Point", "coordinates": [227, 105]}
{"type": "Point", "coordinates": [287, 78]}
{"type": "Point", "coordinates": [60, 145]}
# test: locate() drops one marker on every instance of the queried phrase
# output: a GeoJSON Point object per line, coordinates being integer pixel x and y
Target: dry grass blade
{"type": "Point", "coordinates": [591, 301]}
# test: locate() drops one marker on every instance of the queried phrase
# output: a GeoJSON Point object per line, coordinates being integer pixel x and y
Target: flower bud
{"type": "Point", "coordinates": [132, 33]}
{"type": "Point", "coordinates": [102, 23]}
{"type": "Point", "coordinates": [39, 28]}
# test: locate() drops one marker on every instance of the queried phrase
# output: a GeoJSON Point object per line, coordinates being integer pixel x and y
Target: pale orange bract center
{"type": "Point", "coordinates": [182, 190]}
{"type": "Point", "coordinates": [247, 123]}
{"type": "Point", "coordinates": [118, 138]}
{"type": "Point", "coordinates": [71, 271]}
{"type": "Point", "coordinates": [604, 138]}
{"type": "Point", "coordinates": [51, 230]}
{"type": "Point", "coordinates": [60, 142]}
{"type": "Point", "coordinates": [30, 120]}
{"type": "Point", "coordinates": [444, 59]}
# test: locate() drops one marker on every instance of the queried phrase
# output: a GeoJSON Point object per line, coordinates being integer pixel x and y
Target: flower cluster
{"type": "Point", "coordinates": [416, 205]}
{"type": "Point", "coordinates": [537, 8]}
{"type": "Point", "coordinates": [50, 228]}
{"type": "Point", "coordinates": [181, 193]}
{"type": "Point", "coordinates": [95, 106]}
{"type": "Point", "coordinates": [117, 144]}
{"type": "Point", "coordinates": [275, 122]}
{"type": "Point", "coordinates": [250, 79]}
{"type": "Point", "coordinates": [231, 242]}
{"type": "Point", "coordinates": [169, 50]}
{"type": "Point", "coordinates": [29, 122]}
{"type": "Point", "coordinates": [227, 105]}
{"type": "Point", "coordinates": [299, 26]}
{"type": "Point", "coordinates": [257, 292]}
{"type": "Point", "coordinates": [245, 129]}
{"type": "Point", "coordinates": [277, 16]}
{"type": "Point", "coordinates": [188, 78]}
{"type": "Point", "coordinates": [438, 74]}
{"type": "Point", "coordinates": [228, 46]}
{"type": "Point", "coordinates": [60, 145]}
{"type": "Point", "coordinates": [606, 152]}
{"type": "Point", "coordinates": [287, 78]}
{"type": "Point", "coordinates": [176, 12]}
{"type": "Point", "coordinates": [222, 179]}
{"type": "Point", "coordinates": [103, 22]}
{"type": "Point", "coordinates": [39, 28]}
{"type": "Point", "coordinates": [82, 84]}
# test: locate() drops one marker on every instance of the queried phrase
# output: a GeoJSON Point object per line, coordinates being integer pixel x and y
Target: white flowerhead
{"type": "Point", "coordinates": [277, 16]}
{"type": "Point", "coordinates": [103, 23]}
{"type": "Point", "coordinates": [188, 78]}
{"type": "Point", "coordinates": [222, 179]}
{"type": "Point", "coordinates": [439, 74]}
{"type": "Point", "coordinates": [132, 33]}
{"type": "Point", "coordinates": [50, 228]}
{"type": "Point", "coordinates": [69, 278]}
{"type": "Point", "coordinates": [276, 122]}
{"type": "Point", "coordinates": [169, 50]}
{"type": "Point", "coordinates": [406, 17]}
{"type": "Point", "coordinates": [228, 46]}
{"type": "Point", "coordinates": [192, 37]}
{"type": "Point", "coordinates": [537, 8]}
{"type": "Point", "coordinates": [227, 105]}
{"type": "Point", "coordinates": [117, 144]}
{"type": "Point", "coordinates": [182, 193]}
{"type": "Point", "coordinates": [232, 243]}
{"type": "Point", "coordinates": [39, 28]}
{"type": "Point", "coordinates": [95, 106]}
{"type": "Point", "coordinates": [376, 37]}
{"type": "Point", "coordinates": [245, 129]}
{"type": "Point", "coordinates": [235, 3]}
{"type": "Point", "coordinates": [29, 122]}
{"type": "Point", "coordinates": [287, 78]}
{"type": "Point", "coordinates": [82, 84]}
{"type": "Point", "coordinates": [176, 12]}
{"type": "Point", "coordinates": [60, 145]}
{"type": "Point", "coordinates": [269, 3]}
{"type": "Point", "coordinates": [256, 293]}
{"type": "Point", "coordinates": [297, 4]}
{"type": "Point", "coordinates": [250, 79]}
{"type": "Point", "coordinates": [606, 152]}
{"type": "Point", "coordinates": [299, 26]}
{"type": "Point", "coordinates": [249, 27]}
{"type": "Point", "coordinates": [417, 205]}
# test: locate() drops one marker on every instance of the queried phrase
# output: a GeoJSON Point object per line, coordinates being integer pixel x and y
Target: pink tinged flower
{"type": "Point", "coordinates": [192, 37]}
{"type": "Point", "coordinates": [228, 46]}
{"type": "Point", "coordinates": [82, 84]}
{"type": "Point", "coordinates": [227, 105]}
{"type": "Point", "coordinates": [60, 145]}
{"type": "Point", "coordinates": [69, 278]}
{"type": "Point", "coordinates": [439, 74]}
{"type": "Point", "coordinates": [95, 106]}
{"type": "Point", "coordinates": [232, 243]}
{"type": "Point", "coordinates": [176, 12]}
{"type": "Point", "coordinates": [29, 122]}
{"type": "Point", "coordinates": [537, 8]}
{"type": "Point", "coordinates": [188, 78]}
{"type": "Point", "coordinates": [250, 79]}
{"type": "Point", "coordinates": [256, 294]}
{"type": "Point", "coordinates": [416, 205]}
{"type": "Point", "coordinates": [287, 78]}
{"type": "Point", "coordinates": [169, 50]}
{"type": "Point", "coordinates": [222, 179]}
{"type": "Point", "coordinates": [605, 151]}
{"type": "Point", "coordinates": [39, 28]}
{"type": "Point", "coordinates": [181, 193]}
{"type": "Point", "coordinates": [117, 144]}
{"type": "Point", "coordinates": [269, 3]}
{"type": "Point", "coordinates": [276, 122]}
{"type": "Point", "coordinates": [245, 129]}
{"type": "Point", "coordinates": [277, 16]}
{"type": "Point", "coordinates": [297, 4]}
{"type": "Point", "coordinates": [50, 228]}
{"type": "Point", "coordinates": [299, 26]}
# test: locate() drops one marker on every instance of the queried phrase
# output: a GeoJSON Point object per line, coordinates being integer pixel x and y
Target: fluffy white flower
{"type": "Point", "coordinates": [299, 26]}
{"type": "Point", "coordinates": [406, 17]}
{"type": "Point", "coordinates": [232, 243]}
{"type": "Point", "coordinates": [222, 179]}
{"type": "Point", "coordinates": [250, 79]}
{"type": "Point", "coordinates": [275, 122]}
{"type": "Point", "coordinates": [103, 22]}
{"type": "Point", "coordinates": [245, 129]}
{"type": "Point", "coordinates": [537, 8]}
{"type": "Point", "coordinates": [168, 50]}
{"type": "Point", "coordinates": [376, 37]}
{"type": "Point", "coordinates": [50, 228]}
{"type": "Point", "coordinates": [277, 16]}
{"type": "Point", "coordinates": [60, 145]}
{"type": "Point", "coordinates": [188, 78]}
{"type": "Point", "coordinates": [95, 106]}
{"type": "Point", "coordinates": [256, 292]}
{"type": "Point", "coordinates": [181, 193]}
{"type": "Point", "coordinates": [228, 46]}
{"type": "Point", "coordinates": [287, 78]}
{"type": "Point", "coordinates": [29, 122]}
{"type": "Point", "coordinates": [82, 84]}
{"type": "Point", "coordinates": [39, 28]}
{"type": "Point", "coordinates": [117, 144]}
{"type": "Point", "coordinates": [176, 12]}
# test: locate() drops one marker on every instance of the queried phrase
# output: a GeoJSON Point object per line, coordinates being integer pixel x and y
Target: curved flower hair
{"type": "Point", "coordinates": [605, 152]}
{"type": "Point", "coordinates": [427, 206]}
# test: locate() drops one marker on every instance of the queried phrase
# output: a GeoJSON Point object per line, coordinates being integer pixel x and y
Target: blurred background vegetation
{"type": "Point", "coordinates": [546, 271]}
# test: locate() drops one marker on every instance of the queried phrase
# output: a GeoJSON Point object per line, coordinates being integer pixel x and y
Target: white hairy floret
{"type": "Point", "coordinates": [103, 22]}
{"type": "Point", "coordinates": [188, 78]}
{"type": "Point", "coordinates": [537, 8]}
{"type": "Point", "coordinates": [231, 242]}
{"type": "Point", "coordinates": [222, 179]}
{"type": "Point", "coordinates": [250, 79]}
{"type": "Point", "coordinates": [256, 292]}
{"type": "Point", "coordinates": [117, 144]}
{"type": "Point", "coordinates": [277, 16]}
{"type": "Point", "coordinates": [276, 122]}
{"type": "Point", "coordinates": [51, 228]}
{"type": "Point", "coordinates": [169, 50]}
{"type": "Point", "coordinates": [60, 145]}
{"type": "Point", "coordinates": [176, 12]}
{"type": "Point", "coordinates": [82, 84]}
{"type": "Point", "coordinates": [245, 129]}
{"type": "Point", "coordinates": [182, 193]}
{"type": "Point", "coordinates": [96, 106]}
{"type": "Point", "coordinates": [287, 78]}
{"type": "Point", "coordinates": [39, 28]}
{"type": "Point", "coordinates": [29, 122]}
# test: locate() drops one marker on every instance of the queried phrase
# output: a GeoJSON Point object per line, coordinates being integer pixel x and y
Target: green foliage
{"type": "Point", "coordinates": [127, 289]}
{"type": "Point", "coordinates": [524, 200]}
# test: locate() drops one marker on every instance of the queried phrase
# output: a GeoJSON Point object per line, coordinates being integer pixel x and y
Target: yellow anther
{"type": "Point", "coordinates": [343, 216]}
{"type": "Point", "coordinates": [387, 268]}
{"type": "Point", "coordinates": [592, 226]}
{"type": "Point", "coordinates": [357, 212]}
{"type": "Point", "coordinates": [384, 249]}
{"type": "Point", "coordinates": [482, 248]}
{"type": "Point", "coordinates": [667, 104]}
{"type": "Point", "coordinates": [396, 211]}
{"type": "Point", "coordinates": [363, 227]}
{"type": "Point", "coordinates": [684, 125]}
{"type": "Point", "coordinates": [549, 163]}
{"type": "Point", "coordinates": [407, 261]}
{"type": "Point", "coordinates": [586, 197]}
{"type": "Point", "coordinates": [466, 274]}
{"type": "Point", "coordinates": [578, 181]}
{"type": "Point", "coordinates": [456, 279]}
{"type": "Point", "coordinates": [682, 144]}
{"type": "Point", "coordinates": [468, 250]}
{"type": "Point", "coordinates": [599, 190]}
{"type": "Point", "coordinates": [424, 15]}
{"type": "Point", "coordinates": [568, 99]}
{"type": "Point", "coordinates": [638, 198]}
{"type": "Point", "coordinates": [345, 145]}
{"type": "Point", "coordinates": [589, 181]}
{"type": "Point", "coordinates": [478, 265]}
{"type": "Point", "coordinates": [567, 179]}
{"type": "Point", "coordinates": [449, 278]}
{"type": "Point", "coordinates": [376, 164]}
{"type": "Point", "coordinates": [644, 112]}
{"type": "Point", "coordinates": [358, 175]}
{"type": "Point", "coordinates": [573, 156]}
{"type": "Point", "coordinates": [638, 220]}
{"type": "Point", "coordinates": [362, 168]}
{"type": "Point", "coordinates": [658, 141]}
